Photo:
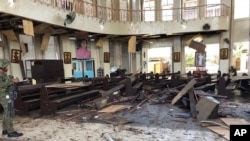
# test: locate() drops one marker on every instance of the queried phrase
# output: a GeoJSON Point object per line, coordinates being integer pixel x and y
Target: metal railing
{"type": "Point", "coordinates": [112, 14]}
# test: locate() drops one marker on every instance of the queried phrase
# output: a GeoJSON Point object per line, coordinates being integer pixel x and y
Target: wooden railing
{"type": "Point", "coordinates": [113, 14]}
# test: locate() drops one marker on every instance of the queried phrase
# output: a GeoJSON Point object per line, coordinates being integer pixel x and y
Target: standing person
{"type": "Point", "coordinates": [5, 82]}
{"type": "Point", "coordinates": [82, 52]}
{"type": "Point", "coordinates": [233, 71]}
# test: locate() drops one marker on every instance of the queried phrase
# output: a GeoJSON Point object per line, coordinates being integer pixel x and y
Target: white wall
{"type": "Point", "coordinates": [15, 67]}
{"type": "Point", "coordinates": [241, 30]}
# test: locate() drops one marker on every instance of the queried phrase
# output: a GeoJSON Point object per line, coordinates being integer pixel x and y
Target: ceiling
{"type": "Point", "coordinates": [15, 23]}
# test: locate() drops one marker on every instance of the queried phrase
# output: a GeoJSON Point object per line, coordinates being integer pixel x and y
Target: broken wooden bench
{"type": "Point", "coordinates": [58, 96]}
{"type": "Point", "coordinates": [28, 98]}
{"type": "Point", "coordinates": [204, 84]}
{"type": "Point", "coordinates": [128, 86]}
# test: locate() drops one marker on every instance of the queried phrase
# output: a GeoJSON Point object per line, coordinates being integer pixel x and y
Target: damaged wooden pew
{"type": "Point", "coordinates": [126, 87]}
{"type": "Point", "coordinates": [58, 96]}
{"type": "Point", "coordinates": [28, 98]}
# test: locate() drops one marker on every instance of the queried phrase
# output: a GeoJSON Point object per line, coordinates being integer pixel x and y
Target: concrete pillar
{"type": "Point", "coordinates": [224, 64]}
{"type": "Point", "coordinates": [138, 61]}
{"type": "Point", "coordinates": [117, 54]}
{"type": "Point", "coordinates": [158, 14]}
{"type": "Point", "coordinates": [105, 48]}
{"type": "Point", "coordinates": [68, 46]}
{"type": "Point", "coordinates": [145, 48]}
{"type": "Point", "coordinates": [135, 5]}
{"type": "Point", "coordinates": [132, 62]}
{"type": "Point", "coordinates": [177, 47]}
{"type": "Point", "coordinates": [177, 11]}
{"type": "Point", "coordinates": [202, 10]}
{"type": "Point", "coordinates": [95, 54]}
{"type": "Point", "coordinates": [15, 68]}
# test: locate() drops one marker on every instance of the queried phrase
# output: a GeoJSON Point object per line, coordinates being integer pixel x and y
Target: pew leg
{"type": "Point", "coordinates": [48, 108]}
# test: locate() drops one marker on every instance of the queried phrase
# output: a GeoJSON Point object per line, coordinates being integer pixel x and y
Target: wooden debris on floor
{"type": "Point", "coordinates": [116, 120]}
{"type": "Point", "coordinates": [221, 131]}
{"type": "Point", "coordinates": [207, 107]}
{"type": "Point", "coordinates": [114, 108]}
{"type": "Point", "coordinates": [225, 132]}
{"type": "Point", "coordinates": [232, 121]}
{"type": "Point", "coordinates": [183, 91]}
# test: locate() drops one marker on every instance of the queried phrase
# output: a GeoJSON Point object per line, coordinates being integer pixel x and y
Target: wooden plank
{"type": "Point", "coordinates": [41, 28]}
{"type": "Point", "coordinates": [28, 27]}
{"type": "Point", "coordinates": [69, 85]}
{"type": "Point", "coordinates": [99, 42]}
{"type": "Point", "coordinates": [183, 91]}
{"type": "Point", "coordinates": [207, 107]}
{"type": "Point", "coordinates": [114, 108]}
{"type": "Point", "coordinates": [132, 44]}
{"type": "Point", "coordinates": [197, 46]}
{"type": "Point", "coordinates": [233, 121]}
{"type": "Point", "coordinates": [45, 41]}
{"type": "Point", "coordinates": [225, 133]}
{"type": "Point", "coordinates": [192, 103]}
{"type": "Point", "coordinates": [78, 95]}
{"type": "Point", "coordinates": [23, 47]}
{"type": "Point", "coordinates": [10, 34]}
{"type": "Point", "coordinates": [202, 93]}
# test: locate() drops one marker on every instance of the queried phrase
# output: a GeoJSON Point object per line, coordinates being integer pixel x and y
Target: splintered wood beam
{"type": "Point", "coordinates": [45, 41]}
{"type": "Point", "coordinates": [132, 44]}
{"type": "Point", "coordinates": [192, 103]}
{"type": "Point", "coordinates": [23, 48]}
{"type": "Point", "coordinates": [41, 28]}
{"type": "Point", "coordinates": [58, 31]}
{"type": "Point", "coordinates": [99, 43]}
{"type": "Point", "coordinates": [199, 47]}
{"type": "Point", "coordinates": [28, 27]}
{"type": "Point", "coordinates": [183, 91]}
{"type": "Point", "coordinates": [10, 34]}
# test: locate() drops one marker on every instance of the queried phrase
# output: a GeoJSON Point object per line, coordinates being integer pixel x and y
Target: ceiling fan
{"type": "Point", "coordinates": [69, 18]}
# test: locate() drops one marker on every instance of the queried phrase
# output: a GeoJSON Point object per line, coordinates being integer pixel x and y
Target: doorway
{"type": "Point", "coordinates": [159, 59]}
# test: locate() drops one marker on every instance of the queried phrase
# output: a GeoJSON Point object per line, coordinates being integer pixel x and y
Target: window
{"type": "Point", "coordinates": [213, 8]}
{"type": "Point", "coordinates": [241, 9]}
{"type": "Point", "coordinates": [212, 58]}
{"type": "Point", "coordinates": [159, 59]}
{"type": "Point", "coordinates": [190, 9]}
{"type": "Point", "coordinates": [149, 7]}
{"type": "Point", "coordinates": [167, 12]}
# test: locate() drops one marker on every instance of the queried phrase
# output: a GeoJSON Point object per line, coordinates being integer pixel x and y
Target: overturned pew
{"type": "Point", "coordinates": [128, 87]}
{"type": "Point", "coordinates": [187, 89]}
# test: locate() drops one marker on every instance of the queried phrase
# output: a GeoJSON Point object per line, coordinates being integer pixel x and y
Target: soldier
{"type": "Point", "coordinates": [5, 82]}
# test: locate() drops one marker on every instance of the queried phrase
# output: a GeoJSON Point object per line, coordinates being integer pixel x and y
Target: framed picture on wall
{"type": "Point", "coordinates": [106, 57]}
{"type": "Point", "coordinates": [67, 57]}
{"type": "Point", "coordinates": [224, 53]}
{"type": "Point", "coordinates": [15, 56]}
{"type": "Point", "coordinates": [177, 57]}
{"type": "Point", "coordinates": [200, 59]}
